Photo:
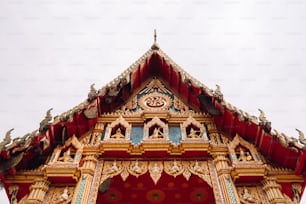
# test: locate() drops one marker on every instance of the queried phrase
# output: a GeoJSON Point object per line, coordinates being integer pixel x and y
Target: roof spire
{"type": "Point", "coordinates": [155, 46]}
{"type": "Point", "coordinates": [155, 36]}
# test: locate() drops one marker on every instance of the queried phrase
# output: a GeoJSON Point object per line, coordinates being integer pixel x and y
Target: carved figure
{"type": "Point", "coordinates": [247, 197]}
{"type": "Point", "coordinates": [175, 168]}
{"type": "Point", "coordinates": [136, 168]}
{"type": "Point", "coordinates": [155, 168]}
{"type": "Point", "coordinates": [244, 156]}
{"type": "Point", "coordinates": [66, 157]}
{"type": "Point", "coordinates": [157, 133]}
{"type": "Point", "coordinates": [193, 133]}
{"type": "Point", "coordinates": [118, 134]}
{"type": "Point", "coordinates": [113, 169]}
{"type": "Point", "coordinates": [197, 168]}
{"type": "Point", "coordinates": [65, 197]}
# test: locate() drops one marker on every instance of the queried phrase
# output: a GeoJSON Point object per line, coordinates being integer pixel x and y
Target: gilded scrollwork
{"type": "Point", "coordinates": [179, 105]}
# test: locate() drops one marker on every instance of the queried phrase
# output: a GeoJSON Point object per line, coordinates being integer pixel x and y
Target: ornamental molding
{"type": "Point", "coordinates": [156, 169]}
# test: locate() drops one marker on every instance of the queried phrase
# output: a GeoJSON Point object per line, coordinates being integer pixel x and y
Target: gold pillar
{"type": "Point", "coordinates": [228, 188]}
{"type": "Point", "coordinates": [82, 190]}
{"type": "Point", "coordinates": [273, 190]}
{"type": "Point", "coordinates": [38, 191]}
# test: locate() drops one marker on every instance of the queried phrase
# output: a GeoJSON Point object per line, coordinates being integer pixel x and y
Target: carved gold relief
{"type": "Point", "coordinates": [179, 105]}
{"type": "Point", "coordinates": [155, 169]}
{"type": "Point", "coordinates": [200, 169]}
{"type": "Point", "coordinates": [155, 86]}
{"type": "Point", "coordinates": [155, 101]}
{"type": "Point", "coordinates": [250, 195]}
{"type": "Point", "coordinates": [193, 130]}
{"type": "Point", "coordinates": [59, 195]}
{"type": "Point", "coordinates": [242, 151]}
{"type": "Point", "coordinates": [120, 129]}
{"type": "Point", "coordinates": [173, 168]}
{"type": "Point", "coordinates": [155, 130]}
{"type": "Point", "coordinates": [138, 168]}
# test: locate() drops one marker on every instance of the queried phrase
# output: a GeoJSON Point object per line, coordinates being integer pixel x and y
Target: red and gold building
{"type": "Point", "coordinates": [153, 135]}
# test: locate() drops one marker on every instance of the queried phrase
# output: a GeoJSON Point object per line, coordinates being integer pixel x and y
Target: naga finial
{"type": "Point", "coordinates": [301, 136]}
{"type": "Point", "coordinates": [7, 139]}
{"type": "Point", "coordinates": [46, 120]}
{"type": "Point", "coordinates": [218, 92]}
{"type": "Point", "coordinates": [262, 117]}
{"type": "Point", "coordinates": [92, 93]}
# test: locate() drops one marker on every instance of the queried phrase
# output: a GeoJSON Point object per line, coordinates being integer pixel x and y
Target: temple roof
{"type": "Point", "coordinates": [16, 154]}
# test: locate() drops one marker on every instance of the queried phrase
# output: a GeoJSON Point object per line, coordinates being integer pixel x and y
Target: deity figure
{"type": "Point", "coordinates": [244, 156]}
{"type": "Point", "coordinates": [113, 169]}
{"type": "Point", "coordinates": [193, 133]}
{"type": "Point", "coordinates": [118, 134]}
{"type": "Point", "coordinates": [175, 168]}
{"type": "Point", "coordinates": [155, 168]}
{"type": "Point", "coordinates": [247, 197]}
{"type": "Point", "coordinates": [64, 197]}
{"type": "Point", "coordinates": [197, 167]}
{"type": "Point", "coordinates": [136, 168]}
{"type": "Point", "coordinates": [156, 133]}
{"type": "Point", "coordinates": [66, 157]}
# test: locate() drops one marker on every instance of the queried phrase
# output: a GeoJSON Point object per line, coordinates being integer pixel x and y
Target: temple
{"type": "Point", "coordinates": [154, 135]}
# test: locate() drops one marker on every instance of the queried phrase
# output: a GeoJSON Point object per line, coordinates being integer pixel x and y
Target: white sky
{"type": "Point", "coordinates": [52, 51]}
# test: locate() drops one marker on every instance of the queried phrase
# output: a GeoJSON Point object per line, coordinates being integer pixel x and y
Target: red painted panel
{"type": "Point", "coordinates": [184, 91]}
{"type": "Point", "coordinates": [287, 189]}
{"type": "Point", "coordinates": [266, 145]}
{"type": "Point", "coordinates": [248, 179]}
{"type": "Point", "coordinates": [23, 190]}
{"type": "Point", "coordinates": [240, 127]}
{"type": "Point", "coordinates": [291, 159]}
{"type": "Point", "coordinates": [252, 131]}
{"type": "Point", "coordinates": [165, 71]}
{"type": "Point", "coordinates": [167, 190]}
{"type": "Point", "coordinates": [81, 123]}
{"type": "Point", "coordinates": [112, 153]}
{"type": "Point", "coordinates": [175, 80]}
{"type": "Point", "coordinates": [228, 121]}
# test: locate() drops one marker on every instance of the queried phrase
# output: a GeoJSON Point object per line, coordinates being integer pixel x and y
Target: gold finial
{"type": "Point", "coordinates": [155, 36]}
{"type": "Point", "coordinates": [155, 46]}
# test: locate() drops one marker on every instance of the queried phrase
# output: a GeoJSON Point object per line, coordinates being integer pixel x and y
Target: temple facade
{"type": "Point", "coordinates": [153, 135]}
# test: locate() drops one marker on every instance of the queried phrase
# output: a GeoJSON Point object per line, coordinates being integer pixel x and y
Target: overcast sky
{"type": "Point", "coordinates": [52, 51]}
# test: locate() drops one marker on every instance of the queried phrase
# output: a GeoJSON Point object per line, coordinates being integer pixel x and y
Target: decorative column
{"type": "Point", "coordinates": [82, 190]}
{"type": "Point", "coordinates": [228, 188]}
{"type": "Point", "coordinates": [273, 190]}
{"type": "Point", "coordinates": [38, 191]}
